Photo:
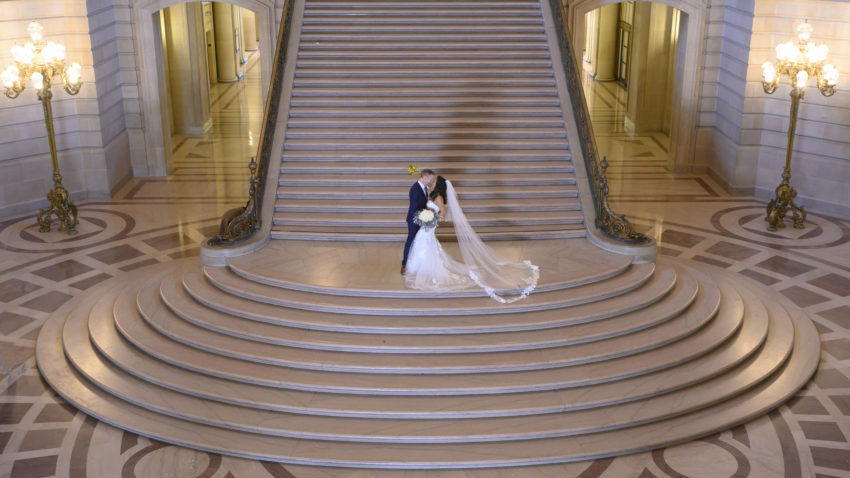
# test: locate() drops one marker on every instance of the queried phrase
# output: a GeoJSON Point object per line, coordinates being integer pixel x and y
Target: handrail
{"type": "Point", "coordinates": [241, 223]}
{"type": "Point", "coordinates": [614, 225]}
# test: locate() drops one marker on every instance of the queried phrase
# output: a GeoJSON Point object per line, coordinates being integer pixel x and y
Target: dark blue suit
{"type": "Point", "coordinates": [418, 201]}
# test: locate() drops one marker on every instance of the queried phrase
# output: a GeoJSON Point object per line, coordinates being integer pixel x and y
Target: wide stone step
{"type": "Point", "coordinates": [530, 134]}
{"type": "Point", "coordinates": [399, 207]}
{"type": "Point", "coordinates": [232, 284]}
{"type": "Point", "coordinates": [426, 101]}
{"type": "Point", "coordinates": [377, 235]}
{"type": "Point", "coordinates": [446, 91]}
{"type": "Point", "coordinates": [729, 355]}
{"type": "Point", "coordinates": [405, 181]}
{"type": "Point", "coordinates": [494, 193]}
{"type": "Point", "coordinates": [413, 46]}
{"type": "Point", "coordinates": [518, 156]}
{"type": "Point", "coordinates": [378, 220]}
{"type": "Point", "coordinates": [422, 144]}
{"type": "Point", "coordinates": [315, 18]}
{"type": "Point", "coordinates": [427, 123]}
{"type": "Point", "coordinates": [424, 37]}
{"type": "Point", "coordinates": [378, 27]}
{"type": "Point", "coordinates": [432, 72]}
{"type": "Point", "coordinates": [453, 168]}
{"type": "Point", "coordinates": [180, 303]}
{"type": "Point", "coordinates": [411, 431]}
{"type": "Point", "coordinates": [430, 54]}
{"type": "Point", "coordinates": [475, 11]}
{"type": "Point", "coordinates": [413, 361]}
{"type": "Point", "coordinates": [425, 112]}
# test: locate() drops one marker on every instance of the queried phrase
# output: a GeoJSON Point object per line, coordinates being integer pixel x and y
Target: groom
{"type": "Point", "coordinates": [418, 200]}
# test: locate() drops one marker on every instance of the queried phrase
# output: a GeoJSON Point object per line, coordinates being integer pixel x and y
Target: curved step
{"type": "Point", "coordinates": [173, 296]}
{"type": "Point", "coordinates": [632, 278]}
{"type": "Point", "coordinates": [728, 355]}
{"type": "Point", "coordinates": [205, 293]}
{"type": "Point", "coordinates": [414, 361]}
{"type": "Point", "coordinates": [731, 411]}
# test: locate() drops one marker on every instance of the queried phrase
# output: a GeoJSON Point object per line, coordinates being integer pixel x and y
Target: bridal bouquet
{"type": "Point", "coordinates": [426, 218]}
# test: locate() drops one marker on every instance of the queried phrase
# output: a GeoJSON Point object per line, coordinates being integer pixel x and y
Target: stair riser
{"type": "Point", "coordinates": [417, 134]}
{"type": "Point", "coordinates": [512, 158]}
{"type": "Point", "coordinates": [566, 194]}
{"type": "Point", "coordinates": [378, 184]}
{"type": "Point", "coordinates": [344, 168]}
{"type": "Point", "coordinates": [346, 209]}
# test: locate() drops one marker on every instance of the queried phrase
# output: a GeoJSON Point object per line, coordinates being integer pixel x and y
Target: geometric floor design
{"type": "Point", "coordinates": [155, 220]}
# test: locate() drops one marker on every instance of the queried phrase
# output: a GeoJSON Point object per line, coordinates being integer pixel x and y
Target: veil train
{"type": "Point", "coordinates": [503, 280]}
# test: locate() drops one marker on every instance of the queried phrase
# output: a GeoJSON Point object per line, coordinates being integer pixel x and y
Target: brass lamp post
{"type": "Point", "coordinates": [39, 62]}
{"type": "Point", "coordinates": [798, 62]}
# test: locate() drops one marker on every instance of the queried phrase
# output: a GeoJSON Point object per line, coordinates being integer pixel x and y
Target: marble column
{"type": "Point", "coordinates": [225, 42]}
{"type": "Point", "coordinates": [186, 71]}
{"type": "Point", "coordinates": [606, 45]}
{"type": "Point", "coordinates": [649, 75]}
{"type": "Point", "coordinates": [249, 30]}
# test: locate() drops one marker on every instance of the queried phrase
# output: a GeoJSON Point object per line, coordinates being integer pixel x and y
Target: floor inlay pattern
{"type": "Point", "coordinates": [41, 436]}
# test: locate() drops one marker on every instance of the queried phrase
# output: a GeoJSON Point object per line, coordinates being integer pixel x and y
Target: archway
{"type": "Point", "coordinates": [685, 95]}
{"type": "Point", "coordinates": [158, 161]}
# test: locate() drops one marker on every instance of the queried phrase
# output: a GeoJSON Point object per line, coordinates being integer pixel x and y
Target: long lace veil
{"type": "Point", "coordinates": [503, 280]}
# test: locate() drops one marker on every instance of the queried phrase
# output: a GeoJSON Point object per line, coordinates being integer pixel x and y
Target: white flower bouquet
{"type": "Point", "coordinates": [426, 218]}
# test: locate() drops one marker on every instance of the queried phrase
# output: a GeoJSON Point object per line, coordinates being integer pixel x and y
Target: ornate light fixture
{"type": "Point", "coordinates": [798, 62]}
{"type": "Point", "coordinates": [39, 62]}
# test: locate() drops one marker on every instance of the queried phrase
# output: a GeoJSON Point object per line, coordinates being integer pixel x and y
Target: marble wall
{"type": "Point", "coordinates": [722, 89]}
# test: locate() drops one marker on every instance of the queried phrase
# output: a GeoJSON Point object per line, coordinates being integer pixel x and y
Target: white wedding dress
{"type": "Point", "coordinates": [430, 268]}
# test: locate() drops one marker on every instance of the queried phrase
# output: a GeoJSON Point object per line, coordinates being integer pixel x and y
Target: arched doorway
{"type": "Point", "coordinates": [685, 20]}
{"type": "Point", "coordinates": [154, 101]}
{"type": "Point", "coordinates": [210, 76]}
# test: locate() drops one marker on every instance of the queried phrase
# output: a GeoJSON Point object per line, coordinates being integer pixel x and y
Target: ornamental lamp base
{"type": "Point", "coordinates": [779, 206]}
{"type": "Point", "coordinates": [61, 207]}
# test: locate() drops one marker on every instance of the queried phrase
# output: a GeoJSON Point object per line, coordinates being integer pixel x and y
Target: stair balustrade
{"type": "Point", "coordinates": [241, 223]}
{"type": "Point", "coordinates": [612, 224]}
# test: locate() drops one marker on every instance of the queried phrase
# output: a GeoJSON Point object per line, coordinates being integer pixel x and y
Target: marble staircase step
{"type": "Point", "coordinates": [427, 123]}
{"type": "Point", "coordinates": [425, 53]}
{"type": "Point", "coordinates": [402, 156]}
{"type": "Point", "coordinates": [422, 101]}
{"type": "Point", "coordinates": [453, 168]}
{"type": "Point", "coordinates": [430, 133]}
{"type": "Point", "coordinates": [403, 180]}
{"type": "Point", "coordinates": [727, 356]}
{"type": "Point", "coordinates": [447, 47]}
{"type": "Point", "coordinates": [379, 220]}
{"type": "Point", "coordinates": [314, 17]}
{"type": "Point", "coordinates": [433, 72]}
{"type": "Point", "coordinates": [399, 207]}
{"type": "Point", "coordinates": [238, 286]}
{"type": "Point", "coordinates": [380, 236]}
{"type": "Point", "coordinates": [489, 193]}
{"type": "Point", "coordinates": [454, 111]}
{"type": "Point", "coordinates": [458, 430]}
{"type": "Point", "coordinates": [399, 456]}
{"type": "Point", "coordinates": [413, 361]}
{"type": "Point", "coordinates": [179, 302]}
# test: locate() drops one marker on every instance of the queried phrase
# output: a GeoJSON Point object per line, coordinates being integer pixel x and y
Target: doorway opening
{"type": "Point", "coordinates": [632, 78]}
{"type": "Point", "coordinates": [211, 85]}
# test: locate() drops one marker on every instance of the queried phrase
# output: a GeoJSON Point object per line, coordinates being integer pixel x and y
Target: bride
{"type": "Point", "coordinates": [430, 268]}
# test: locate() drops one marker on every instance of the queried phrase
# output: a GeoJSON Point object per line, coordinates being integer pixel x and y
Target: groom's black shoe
{"type": "Point", "coordinates": [403, 269]}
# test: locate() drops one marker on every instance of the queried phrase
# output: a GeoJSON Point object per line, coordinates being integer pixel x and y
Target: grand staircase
{"type": "Point", "coordinates": [311, 351]}
{"type": "Point", "coordinates": [463, 87]}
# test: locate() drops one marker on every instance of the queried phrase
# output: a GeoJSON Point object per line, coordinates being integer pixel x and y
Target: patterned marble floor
{"type": "Point", "coordinates": [155, 220]}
